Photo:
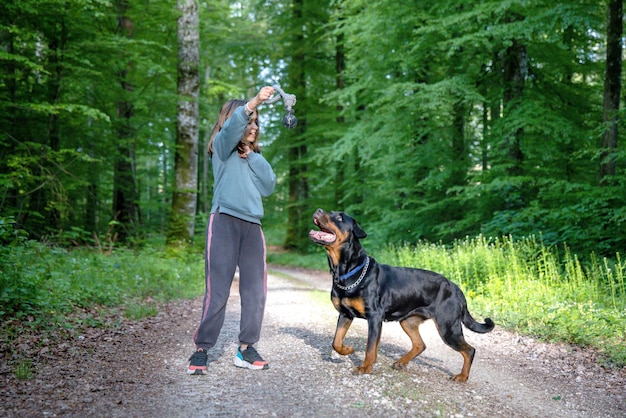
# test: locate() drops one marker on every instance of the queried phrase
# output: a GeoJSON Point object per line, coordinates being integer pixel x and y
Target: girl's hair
{"type": "Point", "coordinates": [227, 111]}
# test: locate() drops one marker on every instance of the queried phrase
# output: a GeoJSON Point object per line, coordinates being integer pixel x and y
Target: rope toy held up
{"type": "Point", "coordinates": [289, 120]}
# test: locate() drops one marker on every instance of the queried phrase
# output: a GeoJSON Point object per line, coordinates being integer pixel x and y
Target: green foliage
{"type": "Point", "coordinates": [45, 283]}
{"type": "Point", "coordinates": [62, 81]}
{"type": "Point", "coordinates": [429, 126]}
{"type": "Point", "coordinates": [313, 260]}
{"type": "Point", "coordinates": [527, 286]}
{"type": "Point", "coordinates": [140, 311]}
{"type": "Point", "coordinates": [10, 235]}
{"type": "Point", "coordinates": [24, 370]}
{"type": "Point", "coordinates": [579, 214]}
{"type": "Point", "coordinates": [407, 119]}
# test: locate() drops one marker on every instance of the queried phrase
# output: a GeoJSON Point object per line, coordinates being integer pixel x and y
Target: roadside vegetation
{"type": "Point", "coordinates": [46, 285]}
{"type": "Point", "coordinates": [55, 292]}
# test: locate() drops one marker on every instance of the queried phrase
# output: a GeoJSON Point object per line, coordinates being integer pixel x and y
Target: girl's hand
{"type": "Point", "coordinates": [264, 94]}
{"type": "Point", "coordinates": [243, 149]}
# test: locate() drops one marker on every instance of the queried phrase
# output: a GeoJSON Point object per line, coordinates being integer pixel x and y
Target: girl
{"type": "Point", "coordinates": [242, 177]}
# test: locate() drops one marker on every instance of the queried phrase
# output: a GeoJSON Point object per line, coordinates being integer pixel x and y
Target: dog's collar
{"type": "Point", "coordinates": [352, 273]}
{"type": "Point", "coordinates": [354, 270]}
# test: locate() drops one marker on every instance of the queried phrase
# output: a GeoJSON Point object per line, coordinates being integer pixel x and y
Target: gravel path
{"type": "Point", "coordinates": [138, 370]}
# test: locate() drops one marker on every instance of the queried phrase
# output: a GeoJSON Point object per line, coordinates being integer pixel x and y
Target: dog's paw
{"type": "Point", "coordinates": [399, 366]}
{"type": "Point", "coordinates": [363, 370]}
{"type": "Point", "coordinates": [460, 378]}
{"type": "Point", "coordinates": [344, 350]}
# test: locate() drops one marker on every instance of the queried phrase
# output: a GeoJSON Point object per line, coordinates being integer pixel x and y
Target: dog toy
{"type": "Point", "coordinates": [289, 120]}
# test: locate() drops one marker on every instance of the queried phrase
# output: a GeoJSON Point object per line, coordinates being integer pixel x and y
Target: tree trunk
{"type": "Point", "coordinates": [340, 66]}
{"type": "Point", "coordinates": [459, 155]}
{"type": "Point", "coordinates": [125, 194]}
{"type": "Point", "coordinates": [184, 201]}
{"type": "Point", "coordinates": [44, 200]}
{"type": "Point", "coordinates": [491, 89]}
{"type": "Point", "coordinates": [297, 223]}
{"type": "Point", "coordinates": [612, 88]}
{"type": "Point", "coordinates": [515, 72]}
{"type": "Point", "coordinates": [91, 204]}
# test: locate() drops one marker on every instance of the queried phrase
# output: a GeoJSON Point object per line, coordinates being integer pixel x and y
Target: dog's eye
{"type": "Point", "coordinates": [340, 218]}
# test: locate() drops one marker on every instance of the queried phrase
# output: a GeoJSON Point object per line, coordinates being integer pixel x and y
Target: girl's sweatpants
{"type": "Point", "coordinates": [232, 242]}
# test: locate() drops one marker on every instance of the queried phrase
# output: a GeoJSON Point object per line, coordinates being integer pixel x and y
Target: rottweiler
{"type": "Point", "coordinates": [363, 288]}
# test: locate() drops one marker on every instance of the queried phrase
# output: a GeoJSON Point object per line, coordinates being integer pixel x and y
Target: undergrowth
{"type": "Point", "coordinates": [51, 293]}
{"type": "Point", "coordinates": [49, 285]}
{"type": "Point", "coordinates": [525, 286]}
{"type": "Point", "coordinates": [315, 261]}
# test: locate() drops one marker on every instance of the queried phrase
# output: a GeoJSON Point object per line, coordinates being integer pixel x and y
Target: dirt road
{"type": "Point", "coordinates": [138, 370]}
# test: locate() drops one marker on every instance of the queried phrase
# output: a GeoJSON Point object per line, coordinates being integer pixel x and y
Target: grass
{"type": "Point", "coordinates": [527, 287]}
{"type": "Point", "coordinates": [315, 260]}
{"type": "Point", "coordinates": [139, 311]}
{"type": "Point", "coordinates": [23, 370]}
{"type": "Point", "coordinates": [54, 293]}
{"type": "Point", "coordinates": [49, 284]}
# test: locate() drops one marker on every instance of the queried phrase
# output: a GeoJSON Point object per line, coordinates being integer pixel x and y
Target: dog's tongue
{"type": "Point", "coordinates": [321, 236]}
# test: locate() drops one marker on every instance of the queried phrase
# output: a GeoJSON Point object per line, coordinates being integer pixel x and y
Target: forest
{"type": "Point", "coordinates": [427, 121]}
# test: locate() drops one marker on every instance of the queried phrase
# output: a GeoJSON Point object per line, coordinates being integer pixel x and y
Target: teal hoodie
{"type": "Point", "coordinates": [240, 183]}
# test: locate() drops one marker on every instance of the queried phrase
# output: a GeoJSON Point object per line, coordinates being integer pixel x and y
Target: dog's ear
{"type": "Point", "coordinates": [358, 231]}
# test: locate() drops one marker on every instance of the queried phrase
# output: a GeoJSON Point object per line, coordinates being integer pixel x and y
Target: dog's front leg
{"type": "Point", "coordinates": [343, 324]}
{"type": "Point", "coordinates": [374, 326]}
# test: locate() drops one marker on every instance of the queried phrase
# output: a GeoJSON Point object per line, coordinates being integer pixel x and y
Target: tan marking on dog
{"type": "Point", "coordinates": [411, 327]}
{"type": "Point", "coordinates": [334, 249]}
{"type": "Point", "coordinates": [343, 324]}
{"type": "Point", "coordinates": [358, 304]}
{"type": "Point", "coordinates": [465, 371]}
{"type": "Point", "coordinates": [334, 254]}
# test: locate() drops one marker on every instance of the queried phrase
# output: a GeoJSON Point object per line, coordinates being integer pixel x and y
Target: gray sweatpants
{"type": "Point", "coordinates": [232, 242]}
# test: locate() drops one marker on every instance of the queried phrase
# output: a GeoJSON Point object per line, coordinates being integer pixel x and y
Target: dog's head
{"type": "Point", "coordinates": [338, 232]}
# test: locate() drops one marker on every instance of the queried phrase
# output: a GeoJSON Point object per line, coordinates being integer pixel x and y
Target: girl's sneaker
{"type": "Point", "coordinates": [250, 359]}
{"type": "Point", "coordinates": [197, 362]}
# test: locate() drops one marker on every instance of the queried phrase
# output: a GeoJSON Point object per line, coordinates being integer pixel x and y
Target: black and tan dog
{"type": "Point", "coordinates": [362, 288]}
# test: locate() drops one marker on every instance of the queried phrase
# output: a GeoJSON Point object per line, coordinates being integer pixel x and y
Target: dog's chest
{"type": "Point", "coordinates": [352, 306]}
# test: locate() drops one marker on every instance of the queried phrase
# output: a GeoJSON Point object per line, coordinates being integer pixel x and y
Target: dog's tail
{"type": "Point", "coordinates": [474, 325]}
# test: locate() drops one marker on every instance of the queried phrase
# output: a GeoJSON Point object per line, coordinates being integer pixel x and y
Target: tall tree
{"type": "Point", "coordinates": [44, 200]}
{"type": "Point", "coordinates": [184, 201]}
{"type": "Point", "coordinates": [125, 193]}
{"type": "Point", "coordinates": [612, 87]}
{"type": "Point", "coordinates": [297, 180]}
{"type": "Point", "coordinates": [340, 84]}
{"type": "Point", "coordinates": [515, 72]}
